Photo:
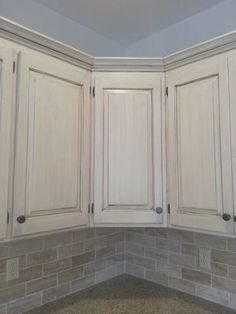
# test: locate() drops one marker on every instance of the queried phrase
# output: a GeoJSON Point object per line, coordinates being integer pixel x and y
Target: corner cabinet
{"type": "Point", "coordinates": [52, 158]}
{"type": "Point", "coordinates": [6, 132]}
{"type": "Point", "coordinates": [200, 190]}
{"type": "Point", "coordinates": [128, 148]}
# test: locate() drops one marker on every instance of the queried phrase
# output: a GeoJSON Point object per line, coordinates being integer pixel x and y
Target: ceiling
{"type": "Point", "coordinates": [127, 21]}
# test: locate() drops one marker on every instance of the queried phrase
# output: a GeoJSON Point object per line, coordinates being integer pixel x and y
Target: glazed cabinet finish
{"type": "Point", "coordinates": [128, 165]}
{"type": "Point", "coordinates": [51, 188]}
{"type": "Point", "coordinates": [199, 146]}
{"type": "Point", "coordinates": [6, 106]}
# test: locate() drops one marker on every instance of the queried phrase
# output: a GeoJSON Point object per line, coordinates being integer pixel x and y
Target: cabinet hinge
{"type": "Point", "coordinates": [8, 217]}
{"type": "Point", "coordinates": [167, 91]}
{"type": "Point", "coordinates": [14, 66]}
{"type": "Point", "coordinates": [168, 208]}
{"type": "Point", "coordinates": [91, 208]}
{"type": "Point", "coordinates": [93, 91]}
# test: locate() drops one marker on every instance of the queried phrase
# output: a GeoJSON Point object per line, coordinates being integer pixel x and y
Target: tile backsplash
{"type": "Point", "coordinates": [54, 266]}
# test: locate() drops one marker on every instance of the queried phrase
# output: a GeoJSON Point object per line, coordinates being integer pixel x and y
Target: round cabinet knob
{"type": "Point", "coordinates": [226, 217]}
{"type": "Point", "coordinates": [21, 219]}
{"type": "Point", "coordinates": [159, 210]}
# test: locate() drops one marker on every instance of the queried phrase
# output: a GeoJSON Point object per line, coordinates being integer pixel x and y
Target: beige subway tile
{"type": "Point", "coordinates": [27, 274]}
{"type": "Point", "coordinates": [57, 266]}
{"type": "Point", "coordinates": [70, 250]}
{"type": "Point", "coordinates": [107, 231]}
{"type": "Point", "coordinates": [154, 276]}
{"type": "Point", "coordinates": [26, 246]}
{"type": "Point", "coordinates": [82, 234]}
{"type": "Point", "coordinates": [3, 282]}
{"type": "Point", "coordinates": [105, 252]}
{"type": "Point", "coordinates": [210, 241]}
{"type": "Point", "coordinates": [134, 270]}
{"type": "Point", "coordinates": [107, 273]}
{"type": "Point", "coordinates": [219, 269]}
{"type": "Point", "coordinates": [3, 266]}
{"type": "Point", "coordinates": [11, 293]}
{"type": "Point", "coordinates": [3, 250]}
{"type": "Point", "coordinates": [42, 257]}
{"type": "Point", "coordinates": [41, 284]}
{"type": "Point", "coordinates": [3, 309]}
{"type": "Point", "coordinates": [55, 293]}
{"type": "Point", "coordinates": [96, 243]}
{"type": "Point", "coordinates": [231, 244]}
{"type": "Point", "coordinates": [160, 256]}
{"type": "Point", "coordinates": [134, 248]}
{"type": "Point", "coordinates": [182, 285]}
{"type": "Point", "coordinates": [141, 239]}
{"type": "Point", "coordinates": [169, 245]}
{"type": "Point", "coordinates": [196, 276]}
{"type": "Point", "coordinates": [190, 249]}
{"type": "Point", "coordinates": [141, 261]}
{"type": "Point", "coordinates": [84, 258]}
{"type": "Point", "coordinates": [224, 284]}
{"type": "Point", "coordinates": [212, 294]}
{"type": "Point", "coordinates": [180, 235]}
{"type": "Point", "coordinates": [224, 257]}
{"type": "Point", "coordinates": [183, 260]}
{"type": "Point", "coordinates": [83, 283]}
{"type": "Point", "coordinates": [232, 301]}
{"type": "Point", "coordinates": [117, 258]}
{"type": "Point", "coordinates": [170, 270]}
{"type": "Point", "coordinates": [58, 239]}
{"type": "Point", "coordinates": [115, 238]}
{"type": "Point", "coordinates": [25, 304]}
{"type": "Point", "coordinates": [70, 274]}
{"type": "Point", "coordinates": [232, 272]}
{"type": "Point", "coordinates": [120, 247]}
{"type": "Point", "coordinates": [135, 230]}
{"type": "Point", "coordinates": [156, 232]}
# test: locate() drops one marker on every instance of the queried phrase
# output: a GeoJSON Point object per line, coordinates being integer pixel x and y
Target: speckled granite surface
{"type": "Point", "coordinates": [127, 295]}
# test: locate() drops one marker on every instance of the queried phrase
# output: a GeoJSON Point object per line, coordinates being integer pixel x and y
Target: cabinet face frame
{"type": "Point", "coordinates": [6, 131]}
{"type": "Point", "coordinates": [30, 67]}
{"type": "Point", "coordinates": [107, 85]}
{"type": "Point", "coordinates": [215, 71]}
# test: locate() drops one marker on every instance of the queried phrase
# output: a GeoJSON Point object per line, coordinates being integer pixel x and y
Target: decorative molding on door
{"type": "Point", "coordinates": [21, 35]}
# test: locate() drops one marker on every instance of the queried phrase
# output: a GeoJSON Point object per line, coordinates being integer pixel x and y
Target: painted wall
{"type": "Point", "coordinates": [213, 22]}
{"type": "Point", "coordinates": [39, 18]}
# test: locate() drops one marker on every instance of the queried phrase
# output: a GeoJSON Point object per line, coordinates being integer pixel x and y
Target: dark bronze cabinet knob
{"type": "Point", "coordinates": [226, 217]}
{"type": "Point", "coordinates": [159, 210]}
{"type": "Point", "coordinates": [21, 219]}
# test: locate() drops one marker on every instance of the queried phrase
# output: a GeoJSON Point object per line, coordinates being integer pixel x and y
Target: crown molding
{"type": "Point", "coordinates": [31, 39]}
{"type": "Point", "coordinates": [21, 35]}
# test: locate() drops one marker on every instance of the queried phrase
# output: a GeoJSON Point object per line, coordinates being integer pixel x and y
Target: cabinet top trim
{"type": "Point", "coordinates": [21, 35]}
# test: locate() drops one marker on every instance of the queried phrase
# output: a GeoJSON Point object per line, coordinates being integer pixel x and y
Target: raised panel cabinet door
{"type": "Point", "coordinates": [232, 91]}
{"type": "Point", "coordinates": [128, 155]}
{"type": "Point", "coordinates": [6, 131]}
{"type": "Point", "coordinates": [52, 145]}
{"type": "Point", "coordinates": [199, 147]}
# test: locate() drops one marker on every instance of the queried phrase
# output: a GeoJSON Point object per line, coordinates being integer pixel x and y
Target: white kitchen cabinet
{"type": "Point", "coordinates": [6, 131]}
{"type": "Point", "coordinates": [51, 186]}
{"type": "Point", "coordinates": [128, 148]}
{"type": "Point", "coordinates": [199, 146]}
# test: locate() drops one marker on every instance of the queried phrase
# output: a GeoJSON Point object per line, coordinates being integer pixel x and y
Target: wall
{"type": "Point", "coordinates": [171, 258]}
{"type": "Point", "coordinates": [41, 19]}
{"type": "Point", "coordinates": [57, 265]}
{"type": "Point", "coordinates": [206, 25]}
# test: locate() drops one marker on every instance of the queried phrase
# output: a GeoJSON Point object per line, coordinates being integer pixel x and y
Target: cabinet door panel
{"type": "Point", "coordinates": [6, 129]}
{"type": "Point", "coordinates": [51, 156]}
{"type": "Point", "coordinates": [200, 181]}
{"type": "Point", "coordinates": [128, 187]}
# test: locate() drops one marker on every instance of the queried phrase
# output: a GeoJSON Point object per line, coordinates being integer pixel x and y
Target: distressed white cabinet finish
{"type": "Point", "coordinates": [199, 146]}
{"type": "Point", "coordinates": [6, 105]}
{"type": "Point", "coordinates": [232, 90]}
{"type": "Point", "coordinates": [128, 154]}
{"type": "Point", "coordinates": [51, 187]}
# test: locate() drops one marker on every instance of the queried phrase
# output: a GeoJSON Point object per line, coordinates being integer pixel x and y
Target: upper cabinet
{"type": "Point", "coordinates": [6, 131]}
{"type": "Point", "coordinates": [128, 148]}
{"type": "Point", "coordinates": [199, 146]}
{"type": "Point", "coordinates": [51, 182]}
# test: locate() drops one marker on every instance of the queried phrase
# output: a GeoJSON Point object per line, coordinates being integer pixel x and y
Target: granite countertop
{"type": "Point", "coordinates": [126, 294]}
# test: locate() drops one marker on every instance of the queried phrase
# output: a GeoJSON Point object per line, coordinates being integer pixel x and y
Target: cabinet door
{"type": "Point", "coordinates": [52, 149]}
{"type": "Point", "coordinates": [199, 152]}
{"type": "Point", "coordinates": [128, 171]}
{"type": "Point", "coordinates": [232, 86]}
{"type": "Point", "coordinates": [6, 103]}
